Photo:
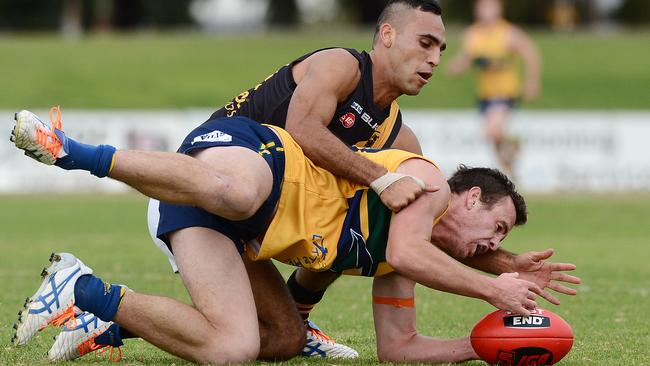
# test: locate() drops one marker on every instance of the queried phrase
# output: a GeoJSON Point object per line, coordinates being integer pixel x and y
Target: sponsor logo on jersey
{"type": "Point", "coordinates": [357, 107]}
{"type": "Point", "coordinates": [347, 120]}
{"type": "Point", "coordinates": [368, 120]}
{"type": "Point", "coordinates": [214, 136]}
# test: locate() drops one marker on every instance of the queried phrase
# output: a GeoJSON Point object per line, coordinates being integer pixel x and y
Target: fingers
{"type": "Point", "coordinates": [550, 298]}
{"type": "Point", "coordinates": [562, 289]}
{"type": "Point", "coordinates": [566, 278]}
{"type": "Point", "coordinates": [562, 266]}
{"type": "Point", "coordinates": [431, 188]}
{"type": "Point", "coordinates": [539, 256]}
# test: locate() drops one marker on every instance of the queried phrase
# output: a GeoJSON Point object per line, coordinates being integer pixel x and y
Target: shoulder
{"type": "Point", "coordinates": [335, 58]}
{"type": "Point", "coordinates": [334, 66]}
{"type": "Point", "coordinates": [426, 170]}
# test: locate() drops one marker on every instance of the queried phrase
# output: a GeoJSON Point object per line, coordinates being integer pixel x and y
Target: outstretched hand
{"type": "Point", "coordinates": [534, 267]}
{"type": "Point", "coordinates": [514, 294]}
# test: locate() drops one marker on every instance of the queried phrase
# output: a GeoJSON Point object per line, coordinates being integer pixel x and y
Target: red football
{"type": "Point", "coordinates": [506, 339]}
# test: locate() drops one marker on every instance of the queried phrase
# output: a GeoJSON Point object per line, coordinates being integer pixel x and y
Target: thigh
{"type": "Point", "coordinates": [216, 279]}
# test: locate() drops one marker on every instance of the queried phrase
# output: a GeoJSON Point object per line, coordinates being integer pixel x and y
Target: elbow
{"type": "Point", "coordinates": [400, 258]}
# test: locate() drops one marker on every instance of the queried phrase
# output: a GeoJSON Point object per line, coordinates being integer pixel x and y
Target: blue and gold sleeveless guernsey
{"type": "Point", "coordinates": [489, 48]}
{"type": "Point", "coordinates": [357, 120]}
{"type": "Point", "coordinates": [323, 222]}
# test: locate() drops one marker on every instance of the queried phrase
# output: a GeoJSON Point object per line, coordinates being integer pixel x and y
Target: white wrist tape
{"type": "Point", "coordinates": [383, 182]}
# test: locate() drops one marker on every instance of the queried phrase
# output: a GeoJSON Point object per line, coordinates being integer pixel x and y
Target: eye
{"type": "Point", "coordinates": [425, 43]}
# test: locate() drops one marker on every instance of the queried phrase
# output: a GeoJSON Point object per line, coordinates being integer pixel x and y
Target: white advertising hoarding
{"type": "Point", "coordinates": [561, 150]}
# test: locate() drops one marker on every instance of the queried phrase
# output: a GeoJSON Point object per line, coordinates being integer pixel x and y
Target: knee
{"type": "Point", "coordinates": [220, 351]}
{"type": "Point", "coordinates": [282, 341]}
{"type": "Point", "coordinates": [231, 199]}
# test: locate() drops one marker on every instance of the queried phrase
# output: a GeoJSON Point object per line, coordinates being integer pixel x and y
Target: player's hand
{"type": "Point", "coordinates": [404, 191]}
{"type": "Point", "coordinates": [533, 266]}
{"type": "Point", "coordinates": [514, 294]}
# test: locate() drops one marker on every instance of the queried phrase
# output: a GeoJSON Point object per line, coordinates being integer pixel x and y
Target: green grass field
{"type": "Point", "coordinates": [606, 236]}
{"type": "Point", "coordinates": [153, 71]}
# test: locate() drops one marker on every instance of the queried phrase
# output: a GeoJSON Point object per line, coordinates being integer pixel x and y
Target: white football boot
{"type": "Point", "coordinates": [77, 338]}
{"type": "Point", "coordinates": [320, 345]}
{"type": "Point", "coordinates": [53, 302]}
{"type": "Point", "coordinates": [36, 137]}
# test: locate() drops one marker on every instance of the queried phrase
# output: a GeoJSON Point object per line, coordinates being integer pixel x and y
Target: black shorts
{"type": "Point", "coordinates": [485, 104]}
{"type": "Point", "coordinates": [165, 218]}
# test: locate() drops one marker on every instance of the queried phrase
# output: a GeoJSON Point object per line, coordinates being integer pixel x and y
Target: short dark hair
{"type": "Point", "coordinates": [429, 6]}
{"type": "Point", "coordinates": [494, 186]}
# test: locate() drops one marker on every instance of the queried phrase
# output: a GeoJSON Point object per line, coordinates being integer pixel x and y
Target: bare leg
{"type": "Point", "coordinates": [281, 330]}
{"type": "Point", "coordinates": [505, 146]}
{"type": "Point", "coordinates": [315, 281]}
{"type": "Point", "coordinates": [231, 182]}
{"type": "Point", "coordinates": [222, 326]}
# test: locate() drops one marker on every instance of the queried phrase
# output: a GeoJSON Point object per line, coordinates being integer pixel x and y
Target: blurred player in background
{"type": "Point", "coordinates": [492, 45]}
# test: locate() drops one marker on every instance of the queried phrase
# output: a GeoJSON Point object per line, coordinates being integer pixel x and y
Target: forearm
{"type": "Point", "coordinates": [328, 152]}
{"type": "Point", "coordinates": [433, 268]}
{"type": "Point", "coordinates": [496, 262]}
{"type": "Point", "coordinates": [420, 348]}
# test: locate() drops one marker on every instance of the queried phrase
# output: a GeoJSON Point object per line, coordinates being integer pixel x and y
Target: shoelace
{"type": "Point", "coordinates": [48, 139]}
{"type": "Point", "coordinates": [111, 349]}
{"type": "Point", "coordinates": [320, 335]}
{"type": "Point", "coordinates": [65, 317]}
{"type": "Point", "coordinates": [90, 346]}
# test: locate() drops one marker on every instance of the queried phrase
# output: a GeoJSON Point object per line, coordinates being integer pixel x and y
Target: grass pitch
{"type": "Point", "coordinates": [180, 70]}
{"type": "Point", "coordinates": [606, 236]}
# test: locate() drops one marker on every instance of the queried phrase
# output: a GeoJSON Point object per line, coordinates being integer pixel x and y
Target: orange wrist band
{"type": "Point", "coordinates": [394, 301]}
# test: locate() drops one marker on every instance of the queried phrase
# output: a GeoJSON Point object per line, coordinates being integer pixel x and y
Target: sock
{"type": "Point", "coordinates": [98, 297]}
{"type": "Point", "coordinates": [305, 299]}
{"type": "Point", "coordinates": [111, 337]}
{"type": "Point", "coordinates": [97, 160]}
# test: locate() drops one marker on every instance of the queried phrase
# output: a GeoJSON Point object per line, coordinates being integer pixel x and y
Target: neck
{"type": "Point", "coordinates": [383, 91]}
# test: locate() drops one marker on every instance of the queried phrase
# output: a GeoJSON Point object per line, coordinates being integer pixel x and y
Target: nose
{"type": "Point", "coordinates": [495, 243]}
{"type": "Point", "coordinates": [434, 58]}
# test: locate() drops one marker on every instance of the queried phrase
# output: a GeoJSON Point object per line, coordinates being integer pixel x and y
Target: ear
{"type": "Point", "coordinates": [386, 35]}
{"type": "Point", "coordinates": [473, 197]}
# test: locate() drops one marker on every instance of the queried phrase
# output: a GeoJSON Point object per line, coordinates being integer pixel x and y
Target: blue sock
{"type": "Point", "coordinates": [98, 297]}
{"type": "Point", "coordinates": [111, 336]}
{"type": "Point", "coordinates": [95, 159]}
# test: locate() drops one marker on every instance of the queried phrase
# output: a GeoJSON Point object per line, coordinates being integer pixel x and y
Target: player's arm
{"type": "Point", "coordinates": [407, 141]}
{"type": "Point", "coordinates": [325, 79]}
{"type": "Point", "coordinates": [532, 62]}
{"type": "Point", "coordinates": [393, 311]}
{"type": "Point", "coordinates": [411, 254]}
{"type": "Point", "coordinates": [532, 266]}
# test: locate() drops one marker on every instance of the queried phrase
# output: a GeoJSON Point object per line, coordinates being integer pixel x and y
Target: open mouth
{"type": "Point", "coordinates": [425, 75]}
{"type": "Point", "coordinates": [480, 249]}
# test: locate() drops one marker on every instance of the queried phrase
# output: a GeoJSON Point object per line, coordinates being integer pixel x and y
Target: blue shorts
{"type": "Point", "coordinates": [165, 218]}
{"type": "Point", "coordinates": [485, 104]}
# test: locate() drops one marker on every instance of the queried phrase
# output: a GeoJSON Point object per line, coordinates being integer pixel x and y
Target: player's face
{"type": "Point", "coordinates": [483, 228]}
{"type": "Point", "coordinates": [419, 41]}
{"type": "Point", "coordinates": [487, 10]}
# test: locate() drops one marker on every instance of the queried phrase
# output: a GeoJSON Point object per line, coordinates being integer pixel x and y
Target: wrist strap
{"type": "Point", "coordinates": [383, 182]}
{"type": "Point", "coordinates": [394, 301]}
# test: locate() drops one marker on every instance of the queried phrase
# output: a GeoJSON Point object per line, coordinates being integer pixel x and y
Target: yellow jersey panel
{"type": "Point", "coordinates": [488, 46]}
{"type": "Point", "coordinates": [323, 222]}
